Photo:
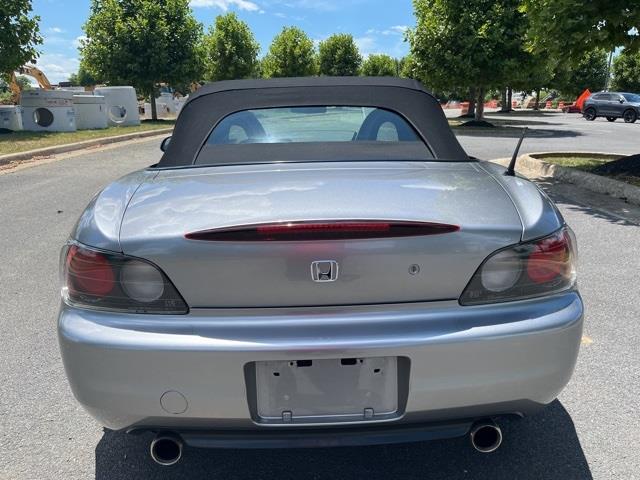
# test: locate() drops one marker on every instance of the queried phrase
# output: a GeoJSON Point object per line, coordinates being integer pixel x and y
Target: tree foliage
{"type": "Point", "coordinates": [339, 55]}
{"type": "Point", "coordinates": [459, 45]}
{"type": "Point", "coordinates": [84, 78]}
{"type": "Point", "coordinates": [380, 66]}
{"type": "Point", "coordinates": [534, 72]}
{"type": "Point", "coordinates": [19, 35]}
{"type": "Point", "coordinates": [231, 50]}
{"type": "Point", "coordinates": [142, 43]}
{"type": "Point", "coordinates": [567, 29]}
{"type": "Point", "coordinates": [590, 72]}
{"type": "Point", "coordinates": [626, 72]}
{"type": "Point", "coordinates": [22, 80]}
{"type": "Point", "coordinates": [291, 54]}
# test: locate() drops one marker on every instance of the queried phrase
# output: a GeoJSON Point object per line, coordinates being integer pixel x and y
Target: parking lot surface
{"type": "Point", "coordinates": [591, 431]}
{"type": "Point", "coordinates": [548, 131]}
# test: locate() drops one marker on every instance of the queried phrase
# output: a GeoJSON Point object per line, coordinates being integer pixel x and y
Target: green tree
{"type": "Point", "coordinates": [410, 69]}
{"type": "Point", "coordinates": [19, 35]}
{"type": "Point", "coordinates": [626, 72]}
{"type": "Point", "coordinates": [590, 72]}
{"type": "Point", "coordinates": [230, 49]}
{"type": "Point", "coordinates": [533, 73]}
{"type": "Point", "coordinates": [567, 29]}
{"type": "Point", "coordinates": [6, 95]}
{"type": "Point", "coordinates": [466, 45]}
{"type": "Point", "coordinates": [380, 66]}
{"type": "Point", "coordinates": [291, 54]}
{"type": "Point", "coordinates": [23, 82]}
{"type": "Point", "coordinates": [83, 77]}
{"type": "Point", "coordinates": [339, 56]}
{"type": "Point", "coordinates": [142, 43]}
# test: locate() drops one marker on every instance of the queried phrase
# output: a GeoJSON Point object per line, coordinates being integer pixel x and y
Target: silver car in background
{"type": "Point", "coordinates": [317, 262]}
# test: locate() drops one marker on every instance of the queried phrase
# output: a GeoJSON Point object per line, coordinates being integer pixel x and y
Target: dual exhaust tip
{"type": "Point", "coordinates": [166, 448]}
{"type": "Point", "coordinates": [485, 436]}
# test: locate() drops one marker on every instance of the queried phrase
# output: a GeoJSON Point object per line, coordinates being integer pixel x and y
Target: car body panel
{"type": "Point", "coordinates": [99, 224]}
{"type": "Point", "coordinates": [538, 214]}
{"type": "Point", "coordinates": [119, 366]}
{"type": "Point", "coordinates": [271, 274]}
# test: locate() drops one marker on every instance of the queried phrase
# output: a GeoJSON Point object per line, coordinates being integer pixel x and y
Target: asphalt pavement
{"type": "Point", "coordinates": [591, 431]}
{"type": "Point", "coordinates": [548, 131]}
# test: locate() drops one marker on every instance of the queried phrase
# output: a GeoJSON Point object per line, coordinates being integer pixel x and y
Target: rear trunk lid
{"type": "Point", "coordinates": [279, 273]}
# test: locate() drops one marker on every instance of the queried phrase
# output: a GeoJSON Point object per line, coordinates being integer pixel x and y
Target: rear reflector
{"type": "Point", "coordinates": [322, 230]}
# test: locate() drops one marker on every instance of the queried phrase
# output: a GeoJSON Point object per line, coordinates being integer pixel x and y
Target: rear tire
{"type": "Point", "coordinates": [630, 116]}
{"type": "Point", "coordinates": [590, 114]}
{"type": "Point", "coordinates": [611, 119]}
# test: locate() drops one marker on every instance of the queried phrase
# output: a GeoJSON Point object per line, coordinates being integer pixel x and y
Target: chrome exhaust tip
{"type": "Point", "coordinates": [486, 436]}
{"type": "Point", "coordinates": [166, 449]}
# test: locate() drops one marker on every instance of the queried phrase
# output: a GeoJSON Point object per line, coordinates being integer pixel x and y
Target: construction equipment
{"type": "Point", "coordinates": [32, 71]}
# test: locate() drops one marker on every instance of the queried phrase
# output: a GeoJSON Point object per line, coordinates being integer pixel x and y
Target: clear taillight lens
{"type": "Point", "coordinates": [531, 269]}
{"type": "Point", "coordinates": [111, 281]}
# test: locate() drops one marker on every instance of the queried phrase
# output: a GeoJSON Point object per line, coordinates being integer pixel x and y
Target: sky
{"type": "Point", "coordinates": [376, 25]}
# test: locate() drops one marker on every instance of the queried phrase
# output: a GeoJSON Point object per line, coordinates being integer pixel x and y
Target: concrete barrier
{"type": "Point", "coordinates": [533, 165]}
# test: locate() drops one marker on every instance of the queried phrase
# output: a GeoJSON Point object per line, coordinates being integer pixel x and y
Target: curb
{"type": "Point", "coordinates": [535, 167]}
{"type": "Point", "coordinates": [69, 147]}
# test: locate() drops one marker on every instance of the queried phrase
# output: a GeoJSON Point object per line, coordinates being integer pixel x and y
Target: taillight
{"type": "Point", "coordinates": [531, 269]}
{"type": "Point", "coordinates": [322, 230]}
{"type": "Point", "coordinates": [111, 281]}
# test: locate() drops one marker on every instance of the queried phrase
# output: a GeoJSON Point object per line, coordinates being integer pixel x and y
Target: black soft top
{"type": "Point", "coordinates": [213, 102]}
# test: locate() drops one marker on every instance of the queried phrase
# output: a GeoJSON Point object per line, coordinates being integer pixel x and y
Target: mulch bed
{"type": "Point", "coordinates": [629, 166]}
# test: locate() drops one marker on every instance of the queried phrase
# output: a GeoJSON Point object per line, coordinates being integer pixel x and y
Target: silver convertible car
{"type": "Point", "coordinates": [317, 262]}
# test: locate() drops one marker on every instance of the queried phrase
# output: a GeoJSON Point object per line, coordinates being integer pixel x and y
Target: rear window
{"type": "Point", "coordinates": [631, 97]}
{"type": "Point", "coordinates": [324, 124]}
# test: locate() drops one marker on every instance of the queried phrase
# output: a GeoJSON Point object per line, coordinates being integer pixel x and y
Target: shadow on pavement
{"type": "Point", "coordinates": [604, 207]}
{"type": "Point", "coordinates": [542, 446]}
{"type": "Point", "coordinates": [527, 113]}
{"type": "Point", "coordinates": [513, 132]}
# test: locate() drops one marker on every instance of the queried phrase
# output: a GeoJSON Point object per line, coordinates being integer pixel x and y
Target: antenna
{"type": "Point", "coordinates": [512, 164]}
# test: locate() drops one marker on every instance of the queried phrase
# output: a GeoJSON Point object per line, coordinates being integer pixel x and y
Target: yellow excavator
{"type": "Point", "coordinates": [31, 71]}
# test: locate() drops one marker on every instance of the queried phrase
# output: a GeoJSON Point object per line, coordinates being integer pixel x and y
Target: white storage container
{"type": "Point", "coordinates": [91, 112]}
{"type": "Point", "coordinates": [165, 106]}
{"type": "Point", "coordinates": [48, 110]}
{"type": "Point", "coordinates": [11, 117]}
{"type": "Point", "coordinates": [121, 104]}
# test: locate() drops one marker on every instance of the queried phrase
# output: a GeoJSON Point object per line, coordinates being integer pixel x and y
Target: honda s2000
{"type": "Point", "coordinates": [317, 262]}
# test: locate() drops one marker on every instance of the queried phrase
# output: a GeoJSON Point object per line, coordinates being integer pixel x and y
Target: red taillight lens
{"type": "Point", "coordinates": [111, 281]}
{"type": "Point", "coordinates": [550, 258]}
{"type": "Point", "coordinates": [89, 271]}
{"type": "Point", "coordinates": [531, 269]}
{"type": "Point", "coordinates": [322, 230]}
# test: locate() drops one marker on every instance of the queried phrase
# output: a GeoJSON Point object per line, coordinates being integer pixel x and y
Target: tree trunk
{"type": "Point", "coordinates": [471, 112]}
{"type": "Point", "coordinates": [536, 105]}
{"type": "Point", "coordinates": [510, 98]}
{"type": "Point", "coordinates": [505, 107]}
{"type": "Point", "coordinates": [480, 105]}
{"type": "Point", "coordinates": [154, 109]}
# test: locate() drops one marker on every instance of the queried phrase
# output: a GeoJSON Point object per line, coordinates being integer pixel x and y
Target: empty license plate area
{"type": "Point", "coordinates": [327, 390]}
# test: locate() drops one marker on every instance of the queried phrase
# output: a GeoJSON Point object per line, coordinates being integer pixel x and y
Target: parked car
{"type": "Point", "coordinates": [612, 105]}
{"type": "Point", "coordinates": [317, 262]}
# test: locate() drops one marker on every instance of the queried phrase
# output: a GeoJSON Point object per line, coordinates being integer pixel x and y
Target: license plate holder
{"type": "Point", "coordinates": [327, 390]}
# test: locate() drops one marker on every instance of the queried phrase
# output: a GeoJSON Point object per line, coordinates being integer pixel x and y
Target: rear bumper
{"type": "Point", "coordinates": [465, 362]}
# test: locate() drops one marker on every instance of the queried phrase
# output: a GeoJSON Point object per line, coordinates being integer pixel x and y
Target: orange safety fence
{"type": "Point", "coordinates": [582, 98]}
